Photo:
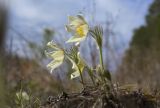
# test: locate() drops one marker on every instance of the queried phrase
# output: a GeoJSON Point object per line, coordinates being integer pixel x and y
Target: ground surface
{"type": "Point", "coordinates": [92, 97]}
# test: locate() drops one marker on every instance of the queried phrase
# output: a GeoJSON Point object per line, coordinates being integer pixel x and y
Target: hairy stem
{"type": "Point", "coordinates": [101, 63]}
{"type": "Point", "coordinates": [101, 58]}
{"type": "Point", "coordinates": [81, 77]}
{"type": "Point", "coordinates": [91, 75]}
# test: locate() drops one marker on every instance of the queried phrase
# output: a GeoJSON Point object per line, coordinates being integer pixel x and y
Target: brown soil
{"type": "Point", "coordinates": [96, 98]}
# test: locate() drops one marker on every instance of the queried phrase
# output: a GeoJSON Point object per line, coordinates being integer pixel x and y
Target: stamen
{"type": "Point", "coordinates": [80, 31]}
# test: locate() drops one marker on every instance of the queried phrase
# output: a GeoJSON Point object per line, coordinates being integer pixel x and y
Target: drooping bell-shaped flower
{"type": "Point", "coordinates": [57, 55]}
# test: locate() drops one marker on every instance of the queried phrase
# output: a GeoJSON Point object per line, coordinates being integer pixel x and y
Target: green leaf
{"type": "Point", "coordinates": [107, 75]}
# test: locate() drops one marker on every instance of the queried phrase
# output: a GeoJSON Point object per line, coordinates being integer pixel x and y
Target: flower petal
{"type": "Point", "coordinates": [68, 28]}
{"type": "Point", "coordinates": [75, 74]}
{"type": "Point", "coordinates": [76, 21]}
{"type": "Point", "coordinates": [52, 45]}
{"type": "Point", "coordinates": [54, 64]}
{"type": "Point", "coordinates": [57, 55]}
{"type": "Point", "coordinates": [75, 39]}
{"type": "Point", "coordinates": [77, 67]}
{"type": "Point", "coordinates": [82, 18]}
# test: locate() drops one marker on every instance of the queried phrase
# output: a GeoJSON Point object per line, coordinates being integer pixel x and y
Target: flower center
{"type": "Point", "coordinates": [80, 30]}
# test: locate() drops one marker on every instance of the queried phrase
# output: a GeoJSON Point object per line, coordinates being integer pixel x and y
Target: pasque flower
{"type": "Point", "coordinates": [78, 27]}
{"type": "Point", "coordinates": [57, 55]}
{"type": "Point", "coordinates": [77, 63]}
{"type": "Point", "coordinates": [22, 96]}
{"type": "Point", "coordinates": [77, 67]}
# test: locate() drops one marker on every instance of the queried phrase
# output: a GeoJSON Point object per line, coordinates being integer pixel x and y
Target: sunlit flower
{"type": "Point", "coordinates": [77, 66]}
{"type": "Point", "coordinates": [78, 27]}
{"type": "Point", "coordinates": [57, 55]}
{"type": "Point", "coordinates": [22, 95]}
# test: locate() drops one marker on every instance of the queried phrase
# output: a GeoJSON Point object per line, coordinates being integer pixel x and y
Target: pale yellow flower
{"type": "Point", "coordinates": [57, 55]}
{"type": "Point", "coordinates": [78, 27]}
{"type": "Point", "coordinates": [77, 67]}
{"type": "Point", "coordinates": [22, 95]}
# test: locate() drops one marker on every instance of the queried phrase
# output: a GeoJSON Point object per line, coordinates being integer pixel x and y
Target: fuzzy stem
{"type": "Point", "coordinates": [101, 63]}
{"type": "Point", "coordinates": [81, 77]}
{"type": "Point", "coordinates": [91, 75]}
{"type": "Point", "coordinates": [21, 98]}
{"type": "Point", "coordinates": [101, 58]}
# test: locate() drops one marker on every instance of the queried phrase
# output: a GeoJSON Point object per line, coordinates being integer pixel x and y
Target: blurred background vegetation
{"type": "Point", "coordinates": [141, 63]}
{"type": "Point", "coordinates": [23, 66]}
